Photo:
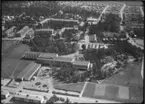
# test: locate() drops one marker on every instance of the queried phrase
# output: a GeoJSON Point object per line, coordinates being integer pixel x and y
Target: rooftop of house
{"type": "Point", "coordinates": [54, 19]}
{"type": "Point", "coordinates": [44, 30]}
{"type": "Point", "coordinates": [25, 28]}
{"type": "Point", "coordinates": [92, 19]}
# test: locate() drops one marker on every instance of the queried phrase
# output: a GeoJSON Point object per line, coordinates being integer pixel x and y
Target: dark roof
{"type": "Point", "coordinates": [32, 53]}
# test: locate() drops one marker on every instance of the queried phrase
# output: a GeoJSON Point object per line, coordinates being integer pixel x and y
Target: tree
{"type": "Point", "coordinates": [67, 101]}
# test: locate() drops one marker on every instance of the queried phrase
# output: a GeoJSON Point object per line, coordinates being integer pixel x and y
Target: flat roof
{"type": "Point", "coordinates": [58, 58]}
{"type": "Point", "coordinates": [56, 19]}
{"type": "Point", "coordinates": [32, 71]}
{"type": "Point", "coordinates": [44, 30]}
{"type": "Point", "coordinates": [62, 59]}
{"type": "Point", "coordinates": [47, 55]}
{"type": "Point", "coordinates": [82, 63]}
{"type": "Point", "coordinates": [25, 70]}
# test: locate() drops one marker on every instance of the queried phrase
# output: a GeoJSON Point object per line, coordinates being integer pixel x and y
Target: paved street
{"type": "Point", "coordinates": [142, 12]}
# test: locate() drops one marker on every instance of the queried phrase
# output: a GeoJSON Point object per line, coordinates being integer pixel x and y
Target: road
{"type": "Point", "coordinates": [83, 89]}
{"type": "Point", "coordinates": [142, 68]}
{"type": "Point", "coordinates": [142, 11]}
{"type": "Point", "coordinates": [48, 95]}
{"type": "Point", "coordinates": [121, 12]}
{"type": "Point", "coordinates": [103, 12]}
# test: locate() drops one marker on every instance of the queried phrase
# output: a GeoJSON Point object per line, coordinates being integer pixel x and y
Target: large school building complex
{"type": "Point", "coordinates": [49, 59]}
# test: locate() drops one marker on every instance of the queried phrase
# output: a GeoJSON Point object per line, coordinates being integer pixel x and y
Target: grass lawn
{"type": "Point", "coordinates": [76, 87]}
{"type": "Point", "coordinates": [11, 58]}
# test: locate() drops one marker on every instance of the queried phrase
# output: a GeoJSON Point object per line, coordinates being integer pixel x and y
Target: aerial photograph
{"type": "Point", "coordinates": [72, 52]}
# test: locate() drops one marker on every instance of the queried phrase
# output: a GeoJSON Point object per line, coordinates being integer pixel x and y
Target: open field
{"type": "Point", "coordinates": [131, 76]}
{"type": "Point", "coordinates": [113, 92]}
{"type": "Point", "coordinates": [7, 44]}
{"type": "Point", "coordinates": [11, 58]}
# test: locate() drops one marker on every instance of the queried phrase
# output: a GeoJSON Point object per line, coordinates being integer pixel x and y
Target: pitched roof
{"type": "Point", "coordinates": [10, 29]}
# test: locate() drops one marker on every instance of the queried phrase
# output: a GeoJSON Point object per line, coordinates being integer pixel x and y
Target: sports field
{"type": "Point", "coordinates": [11, 60]}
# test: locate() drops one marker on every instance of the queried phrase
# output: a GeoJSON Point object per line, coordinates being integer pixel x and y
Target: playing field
{"type": "Point", "coordinates": [11, 58]}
